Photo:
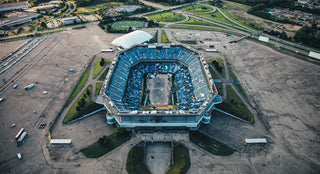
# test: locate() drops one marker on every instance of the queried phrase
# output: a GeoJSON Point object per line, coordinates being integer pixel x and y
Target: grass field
{"type": "Point", "coordinates": [211, 145]}
{"type": "Point", "coordinates": [164, 37]}
{"type": "Point", "coordinates": [94, 8]}
{"type": "Point", "coordinates": [235, 106]}
{"type": "Point", "coordinates": [79, 86]}
{"type": "Point", "coordinates": [238, 13]}
{"type": "Point", "coordinates": [89, 106]}
{"type": "Point", "coordinates": [219, 66]}
{"type": "Point", "coordinates": [155, 38]}
{"type": "Point", "coordinates": [125, 25]}
{"type": "Point", "coordinates": [217, 16]}
{"type": "Point", "coordinates": [219, 88]}
{"type": "Point", "coordinates": [98, 87]}
{"type": "Point", "coordinates": [135, 161]}
{"type": "Point", "coordinates": [213, 74]}
{"type": "Point", "coordinates": [238, 86]}
{"type": "Point", "coordinates": [97, 68]}
{"type": "Point", "coordinates": [197, 8]}
{"type": "Point", "coordinates": [96, 150]}
{"type": "Point", "coordinates": [181, 159]}
{"type": "Point", "coordinates": [104, 74]}
{"type": "Point", "coordinates": [166, 17]}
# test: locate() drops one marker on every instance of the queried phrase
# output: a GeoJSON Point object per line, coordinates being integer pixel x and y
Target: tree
{"type": "Point", "coordinates": [88, 92]}
{"type": "Point", "coordinates": [121, 132]}
{"type": "Point", "coordinates": [82, 102]}
{"type": "Point", "coordinates": [104, 140]}
{"type": "Point", "coordinates": [101, 62]}
{"type": "Point", "coordinates": [43, 25]}
{"type": "Point", "coordinates": [78, 108]}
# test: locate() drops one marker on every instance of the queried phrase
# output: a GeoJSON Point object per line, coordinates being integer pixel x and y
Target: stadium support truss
{"type": "Point", "coordinates": [195, 89]}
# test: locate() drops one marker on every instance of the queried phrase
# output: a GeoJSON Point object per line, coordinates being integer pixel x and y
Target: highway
{"type": "Point", "coordinates": [227, 27]}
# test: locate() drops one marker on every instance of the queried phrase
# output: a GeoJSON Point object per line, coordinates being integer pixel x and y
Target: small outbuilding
{"type": "Point", "coordinates": [256, 140]}
{"type": "Point", "coordinates": [61, 141]}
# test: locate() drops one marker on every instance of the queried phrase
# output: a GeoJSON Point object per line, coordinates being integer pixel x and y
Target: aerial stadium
{"type": "Point", "coordinates": [159, 87]}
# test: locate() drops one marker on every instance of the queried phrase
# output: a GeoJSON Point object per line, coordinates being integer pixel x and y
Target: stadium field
{"type": "Point", "coordinates": [125, 25]}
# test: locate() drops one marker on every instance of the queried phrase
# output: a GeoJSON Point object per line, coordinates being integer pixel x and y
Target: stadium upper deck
{"type": "Point", "coordinates": [195, 87]}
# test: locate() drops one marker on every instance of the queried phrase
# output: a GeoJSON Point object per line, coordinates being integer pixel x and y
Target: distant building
{"type": "Point", "coordinates": [303, 1]}
{"type": "Point", "coordinates": [45, 7]}
{"type": "Point", "coordinates": [17, 19]}
{"type": "Point", "coordinates": [55, 2]}
{"type": "Point", "coordinates": [14, 6]}
{"type": "Point", "coordinates": [70, 21]}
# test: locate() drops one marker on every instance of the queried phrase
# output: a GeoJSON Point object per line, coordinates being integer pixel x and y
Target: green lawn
{"type": "Point", "coordinates": [166, 17]}
{"type": "Point", "coordinates": [79, 86]}
{"type": "Point", "coordinates": [238, 86]}
{"type": "Point", "coordinates": [164, 37]}
{"type": "Point", "coordinates": [88, 106]}
{"type": "Point", "coordinates": [96, 150]}
{"type": "Point", "coordinates": [219, 66]}
{"type": "Point", "coordinates": [98, 87]}
{"type": "Point", "coordinates": [235, 106]}
{"type": "Point", "coordinates": [135, 160]}
{"type": "Point", "coordinates": [98, 68]}
{"type": "Point", "coordinates": [237, 7]}
{"type": "Point", "coordinates": [211, 145]}
{"type": "Point", "coordinates": [196, 8]}
{"type": "Point", "coordinates": [217, 16]}
{"type": "Point", "coordinates": [155, 38]}
{"type": "Point", "coordinates": [213, 74]}
{"type": "Point", "coordinates": [181, 159]}
{"type": "Point", "coordinates": [104, 74]}
{"type": "Point", "coordinates": [94, 8]}
{"type": "Point", "coordinates": [125, 25]}
{"type": "Point", "coordinates": [219, 88]}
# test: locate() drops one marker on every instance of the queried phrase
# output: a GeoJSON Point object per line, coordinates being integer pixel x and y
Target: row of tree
{"type": "Point", "coordinates": [309, 36]}
{"type": "Point", "coordinates": [261, 5]}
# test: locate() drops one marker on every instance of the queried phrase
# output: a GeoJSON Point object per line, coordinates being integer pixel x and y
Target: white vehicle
{"type": "Point", "coordinates": [22, 137]}
{"type": "Point", "coordinates": [19, 133]}
{"type": "Point", "coordinates": [29, 86]}
{"type": "Point", "coordinates": [19, 156]}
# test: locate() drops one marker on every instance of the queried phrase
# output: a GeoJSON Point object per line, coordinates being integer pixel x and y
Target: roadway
{"type": "Point", "coordinates": [226, 27]}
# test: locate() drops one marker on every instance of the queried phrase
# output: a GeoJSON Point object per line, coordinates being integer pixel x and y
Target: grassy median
{"type": "Point", "coordinates": [135, 160]}
{"type": "Point", "coordinates": [181, 159]}
{"type": "Point", "coordinates": [235, 106]}
{"type": "Point", "coordinates": [209, 144]}
{"type": "Point", "coordinates": [79, 86]}
{"type": "Point", "coordinates": [106, 144]}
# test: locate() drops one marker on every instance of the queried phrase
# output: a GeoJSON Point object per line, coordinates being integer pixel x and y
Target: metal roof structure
{"type": "Point", "coordinates": [133, 38]}
{"type": "Point", "coordinates": [255, 140]}
{"type": "Point", "coordinates": [60, 141]}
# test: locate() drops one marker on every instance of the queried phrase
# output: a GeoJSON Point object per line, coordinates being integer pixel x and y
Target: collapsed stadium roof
{"type": "Point", "coordinates": [195, 89]}
{"type": "Point", "coordinates": [133, 38]}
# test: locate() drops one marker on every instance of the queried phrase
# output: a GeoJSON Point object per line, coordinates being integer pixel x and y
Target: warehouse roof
{"type": "Point", "coordinates": [133, 38]}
